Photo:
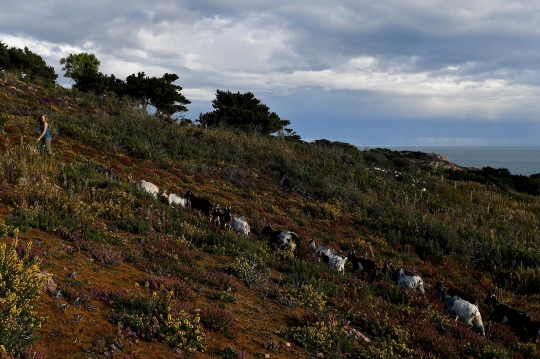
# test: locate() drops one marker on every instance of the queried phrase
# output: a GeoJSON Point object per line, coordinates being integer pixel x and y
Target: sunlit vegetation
{"type": "Point", "coordinates": [196, 287]}
{"type": "Point", "coordinates": [20, 287]}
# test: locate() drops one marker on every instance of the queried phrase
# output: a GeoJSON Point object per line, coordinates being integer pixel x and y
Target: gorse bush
{"type": "Point", "coordinates": [305, 296]}
{"type": "Point", "coordinates": [327, 336]}
{"type": "Point", "coordinates": [331, 210]}
{"type": "Point", "coordinates": [151, 316]}
{"type": "Point", "coordinates": [20, 288]}
{"type": "Point", "coordinates": [183, 330]}
{"type": "Point", "coordinates": [5, 229]}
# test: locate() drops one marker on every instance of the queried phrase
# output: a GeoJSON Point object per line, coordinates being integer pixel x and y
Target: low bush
{"type": "Point", "coordinates": [220, 281]}
{"type": "Point", "coordinates": [20, 287]}
{"type": "Point", "coordinates": [252, 269]}
{"type": "Point", "coordinates": [180, 288]}
{"type": "Point", "coordinates": [101, 253]}
{"type": "Point", "coordinates": [305, 296]}
{"type": "Point", "coordinates": [216, 319]}
{"type": "Point", "coordinates": [328, 337]}
{"type": "Point", "coordinates": [151, 316]}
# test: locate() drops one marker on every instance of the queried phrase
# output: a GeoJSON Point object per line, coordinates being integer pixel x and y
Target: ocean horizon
{"type": "Point", "coordinates": [519, 160]}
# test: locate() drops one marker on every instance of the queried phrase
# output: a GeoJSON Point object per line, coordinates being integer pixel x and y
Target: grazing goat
{"type": "Point", "coordinates": [336, 262]}
{"type": "Point", "coordinates": [321, 249]}
{"type": "Point", "coordinates": [202, 205]}
{"type": "Point", "coordinates": [468, 312]}
{"type": "Point", "coordinates": [225, 218]}
{"type": "Point", "coordinates": [457, 293]}
{"type": "Point", "coordinates": [239, 224]}
{"type": "Point", "coordinates": [504, 314]}
{"type": "Point", "coordinates": [404, 279]}
{"type": "Point", "coordinates": [364, 265]}
{"type": "Point", "coordinates": [174, 200]}
{"type": "Point", "coordinates": [149, 187]}
{"type": "Point", "coordinates": [217, 215]}
{"type": "Point", "coordinates": [146, 186]}
{"type": "Point", "coordinates": [285, 239]}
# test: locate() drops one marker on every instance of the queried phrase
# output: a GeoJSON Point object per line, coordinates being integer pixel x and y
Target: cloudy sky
{"type": "Point", "coordinates": [370, 73]}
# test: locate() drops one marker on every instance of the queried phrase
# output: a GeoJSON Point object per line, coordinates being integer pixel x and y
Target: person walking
{"type": "Point", "coordinates": [44, 138]}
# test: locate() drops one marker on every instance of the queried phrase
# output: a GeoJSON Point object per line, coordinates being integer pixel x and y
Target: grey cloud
{"type": "Point", "coordinates": [318, 31]}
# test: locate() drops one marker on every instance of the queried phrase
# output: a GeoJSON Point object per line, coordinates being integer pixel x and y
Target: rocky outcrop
{"type": "Point", "coordinates": [434, 160]}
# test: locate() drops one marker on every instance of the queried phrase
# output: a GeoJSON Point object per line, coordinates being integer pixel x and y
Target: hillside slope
{"type": "Point", "coordinates": [135, 278]}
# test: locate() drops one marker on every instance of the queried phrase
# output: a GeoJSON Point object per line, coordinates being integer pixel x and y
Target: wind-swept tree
{"type": "Point", "coordinates": [242, 111]}
{"type": "Point", "coordinates": [160, 93]}
{"type": "Point", "coordinates": [167, 98]}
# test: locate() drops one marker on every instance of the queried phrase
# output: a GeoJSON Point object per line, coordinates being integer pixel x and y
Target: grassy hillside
{"type": "Point", "coordinates": [135, 278]}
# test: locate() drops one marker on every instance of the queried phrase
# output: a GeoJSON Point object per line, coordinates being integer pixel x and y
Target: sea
{"type": "Point", "coordinates": [518, 160]}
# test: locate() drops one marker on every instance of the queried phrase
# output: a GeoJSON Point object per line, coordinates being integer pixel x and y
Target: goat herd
{"type": "Point", "coordinates": [460, 304]}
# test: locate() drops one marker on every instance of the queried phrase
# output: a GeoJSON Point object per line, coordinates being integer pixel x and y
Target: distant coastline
{"type": "Point", "coordinates": [519, 160]}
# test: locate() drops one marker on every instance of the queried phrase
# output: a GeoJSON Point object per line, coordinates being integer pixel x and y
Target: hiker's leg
{"type": "Point", "coordinates": [40, 146]}
{"type": "Point", "coordinates": [48, 146]}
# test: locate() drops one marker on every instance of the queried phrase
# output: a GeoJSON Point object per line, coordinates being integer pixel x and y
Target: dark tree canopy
{"type": "Point", "coordinates": [99, 84]}
{"type": "Point", "coordinates": [26, 61]}
{"type": "Point", "coordinates": [4, 57]}
{"type": "Point", "coordinates": [242, 111]}
{"type": "Point", "coordinates": [161, 93]}
{"type": "Point", "coordinates": [136, 87]}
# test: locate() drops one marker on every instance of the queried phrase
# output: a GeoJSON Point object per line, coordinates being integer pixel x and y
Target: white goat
{"type": "Point", "coordinates": [404, 279]}
{"type": "Point", "coordinates": [468, 312]}
{"type": "Point", "coordinates": [149, 187]}
{"type": "Point", "coordinates": [321, 249]}
{"type": "Point", "coordinates": [336, 262]}
{"type": "Point", "coordinates": [174, 200]}
{"type": "Point", "coordinates": [239, 224]}
{"type": "Point", "coordinates": [146, 186]}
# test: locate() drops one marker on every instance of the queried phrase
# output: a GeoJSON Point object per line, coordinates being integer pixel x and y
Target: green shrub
{"type": "Point", "coordinates": [302, 272]}
{"type": "Point", "coordinates": [306, 296]}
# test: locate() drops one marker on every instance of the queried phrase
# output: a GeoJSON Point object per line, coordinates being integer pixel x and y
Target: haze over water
{"type": "Point", "coordinates": [518, 160]}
